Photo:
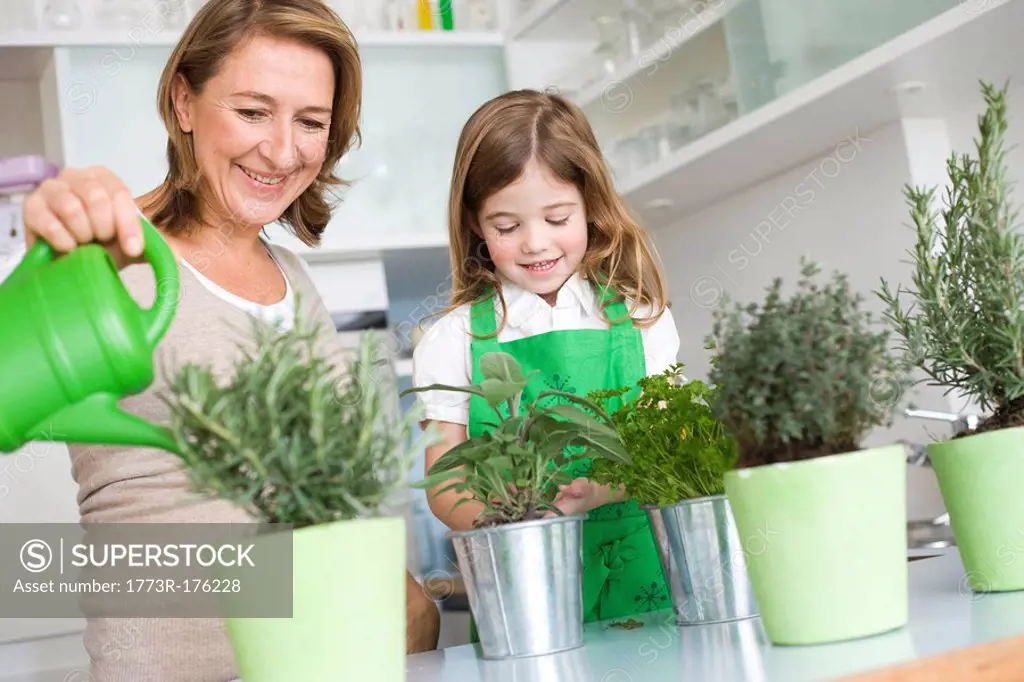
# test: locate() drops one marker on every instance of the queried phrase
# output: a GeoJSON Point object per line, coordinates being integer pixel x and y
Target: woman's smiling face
{"type": "Point", "coordinates": [260, 127]}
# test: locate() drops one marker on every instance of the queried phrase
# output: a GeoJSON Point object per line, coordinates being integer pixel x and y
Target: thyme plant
{"type": "Point", "coordinates": [515, 468]}
{"type": "Point", "coordinates": [964, 326]}
{"type": "Point", "coordinates": [290, 436]}
{"type": "Point", "coordinates": [804, 376]}
{"type": "Point", "coordinates": [679, 450]}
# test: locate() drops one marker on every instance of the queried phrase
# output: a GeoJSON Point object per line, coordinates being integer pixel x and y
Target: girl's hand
{"type": "Point", "coordinates": [582, 495]}
{"type": "Point", "coordinates": [83, 206]}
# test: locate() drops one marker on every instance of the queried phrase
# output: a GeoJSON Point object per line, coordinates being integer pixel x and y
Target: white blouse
{"type": "Point", "coordinates": [443, 355]}
{"type": "Point", "coordinates": [280, 314]}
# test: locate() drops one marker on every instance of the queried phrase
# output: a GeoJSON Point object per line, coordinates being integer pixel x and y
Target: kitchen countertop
{"type": "Point", "coordinates": [945, 616]}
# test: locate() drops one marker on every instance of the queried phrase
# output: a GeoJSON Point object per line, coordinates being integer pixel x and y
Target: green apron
{"type": "Point", "coordinates": [622, 574]}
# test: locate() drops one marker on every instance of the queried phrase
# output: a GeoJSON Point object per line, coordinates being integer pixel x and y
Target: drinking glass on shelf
{"type": "Point", "coordinates": [638, 28]}
{"type": "Point", "coordinates": [655, 140]}
{"type": "Point", "coordinates": [605, 60]}
{"type": "Point", "coordinates": [685, 113]}
{"type": "Point", "coordinates": [678, 128]}
{"type": "Point", "coordinates": [729, 100]}
{"type": "Point", "coordinates": [633, 153]}
{"type": "Point", "coordinates": [65, 15]}
{"type": "Point", "coordinates": [399, 15]}
{"type": "Point", "coordinates": [713, 113]}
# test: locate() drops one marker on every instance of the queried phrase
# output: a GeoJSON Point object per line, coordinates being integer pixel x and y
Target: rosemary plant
{"type": "Point", "coordinates": [514, 469]}
{"type": "Point", "coordinates": [679, 450]}
{"type": "Point", "coordinates": [965, 325]}
{"type": "Point", "coordinates": [802, 377]}
{"type": "Point", "coordinates": [290, 436]}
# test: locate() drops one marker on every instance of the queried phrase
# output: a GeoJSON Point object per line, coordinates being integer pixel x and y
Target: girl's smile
{"type": "Point", "coordinates": [542, 267]}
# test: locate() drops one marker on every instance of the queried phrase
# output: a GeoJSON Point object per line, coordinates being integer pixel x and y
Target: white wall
{"type": "Point", "coordinates": [844, 209]}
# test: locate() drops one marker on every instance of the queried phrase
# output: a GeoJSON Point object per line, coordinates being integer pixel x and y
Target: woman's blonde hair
{"type": "Point", "coordinates": [218, 28]}
{"type": "Point", "coordinates": [497, 142]}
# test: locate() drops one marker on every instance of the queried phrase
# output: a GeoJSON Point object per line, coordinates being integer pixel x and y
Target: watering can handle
{"type": "Point", "coordinates": [165, 273]}
{"type": "Point", "coordinates": [158, 317]}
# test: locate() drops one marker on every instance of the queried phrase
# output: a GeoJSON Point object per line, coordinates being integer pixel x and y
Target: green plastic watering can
{"type": "Point", "coordinates": [73, 342]}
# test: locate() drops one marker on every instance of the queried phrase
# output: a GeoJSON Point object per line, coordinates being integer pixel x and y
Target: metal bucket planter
{"type": "Point", "coordinates": [523, 582]}
{"type": "Point", "coordinates": [703, 561]}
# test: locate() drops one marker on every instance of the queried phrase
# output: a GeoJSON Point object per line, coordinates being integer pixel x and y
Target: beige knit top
{"type": "Point", "coordinates": [133, 484]}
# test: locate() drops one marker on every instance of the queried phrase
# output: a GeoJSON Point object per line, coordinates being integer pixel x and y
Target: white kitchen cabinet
{"type": "Point", "coordinates": [709, 97]}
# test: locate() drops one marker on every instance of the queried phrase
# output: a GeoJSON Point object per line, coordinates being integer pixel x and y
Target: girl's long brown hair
{"type": "Point", "coordinates": [218, 28]}
{"type": "Point", "coordinates": [496, 143]}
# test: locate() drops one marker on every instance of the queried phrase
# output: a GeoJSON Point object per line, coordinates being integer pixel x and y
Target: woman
{"type": "Point", "coordinates": [260, 99]}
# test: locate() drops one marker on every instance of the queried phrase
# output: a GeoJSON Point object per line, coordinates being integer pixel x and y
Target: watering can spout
{"type": "Point", "coordinates": [98, 419]}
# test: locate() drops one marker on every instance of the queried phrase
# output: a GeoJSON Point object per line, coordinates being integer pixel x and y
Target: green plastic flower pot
{"type": "Point", "coordinates": [980, 477]}
{"type": "Point", "coordinates": [825, 541]}
{"type": "Point", "coordinates": [348, 607]}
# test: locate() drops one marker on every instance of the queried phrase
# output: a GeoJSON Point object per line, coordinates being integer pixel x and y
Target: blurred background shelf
{"type": "Point", "coordinates": [715, 96]}
{"type": "Point", "coordinates": [142, 37]}
{"type": "Point", "coordinates": [652, 45]}
{"type": "Point", "coordinates": [921, 73]}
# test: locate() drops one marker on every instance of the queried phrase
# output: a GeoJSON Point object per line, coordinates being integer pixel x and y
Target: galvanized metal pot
{"type": "Point", "coordinates": [703, 561]}
{"type": "Point", "coordinates": [523, 581]}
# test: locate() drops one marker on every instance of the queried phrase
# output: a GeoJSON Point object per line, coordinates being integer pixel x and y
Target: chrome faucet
{"type": "Point", "coordinates": [917, 454]}
{"type": "Point", "coordinates": [961, 423]}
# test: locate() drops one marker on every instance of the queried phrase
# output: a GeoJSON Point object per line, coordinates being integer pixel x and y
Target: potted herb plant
{"type": "Point", "coordinates": [964, 328]}
{"type": "Point", "coordinates": [307, 446]}
{"type": "Point", "coordinates": [800, 383]}
{"type": "Point", "coordinates": [679, 455]}
{"type": "Point", "coordinates": [522, 560]}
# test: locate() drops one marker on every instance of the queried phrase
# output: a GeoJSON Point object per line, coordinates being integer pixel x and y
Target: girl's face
{"type": "Point", "coordinates": [260, 127]}
{"type": "Point", "coordinates": [536, 230]}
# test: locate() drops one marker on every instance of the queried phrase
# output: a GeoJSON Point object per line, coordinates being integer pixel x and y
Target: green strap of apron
{"type": "Point", "coordinates": [484, 325]}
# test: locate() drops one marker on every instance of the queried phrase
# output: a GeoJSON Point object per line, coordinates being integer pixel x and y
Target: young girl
{"type": "Point", "coordinates": [534, 225]}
